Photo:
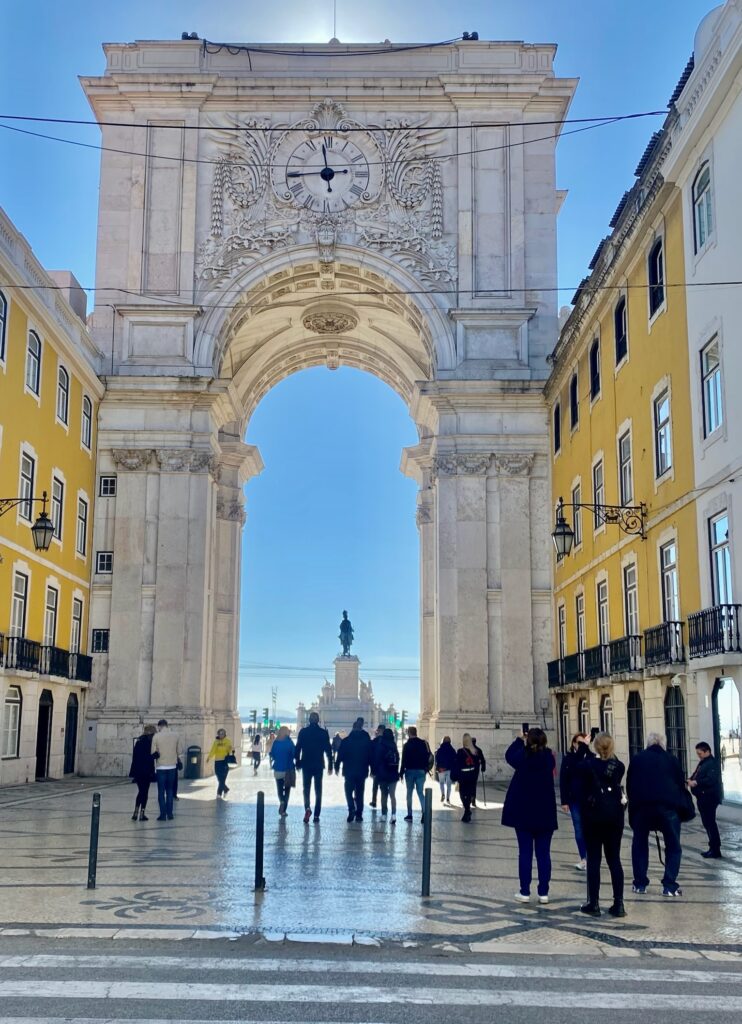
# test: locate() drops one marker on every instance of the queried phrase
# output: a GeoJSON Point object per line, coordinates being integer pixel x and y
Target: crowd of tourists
{"type": "Point", "coordinates": [594, 788]}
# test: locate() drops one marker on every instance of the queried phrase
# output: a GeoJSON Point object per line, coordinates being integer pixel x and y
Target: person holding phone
{"type": "Point", "coordinates": [530, 809]}
{"type": "Point", "coordinates": [577, 753]}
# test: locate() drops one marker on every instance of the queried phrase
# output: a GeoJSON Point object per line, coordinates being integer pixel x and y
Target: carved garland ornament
{"type": "Point", "coordinates": [470, 464]}
{"type": "Point", "coordinates": [330, 322]}
{"type": "Point", "coordinates": [132, 459]}
{"type": "Point", "coordinates": [517, 464]}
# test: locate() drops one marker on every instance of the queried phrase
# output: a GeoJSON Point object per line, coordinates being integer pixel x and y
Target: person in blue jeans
{"type": "Point", "coordinates": [530, 809]}
{"type": "Point", "coordinates": [414, 768]}
{"type": "Point", "coordinates": [577, 753]}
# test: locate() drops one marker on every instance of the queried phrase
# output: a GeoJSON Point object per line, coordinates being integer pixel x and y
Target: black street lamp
{"type": "Point", "coordinates": [631, 519]}
{"type": "Point", "coordinates": [42, 530]}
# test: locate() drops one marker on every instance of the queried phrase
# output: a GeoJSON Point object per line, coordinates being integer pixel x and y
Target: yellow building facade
{"type": "Point", "coordinates": [49, 395]}
{"type": "Point", "coordinates": [619, 398]}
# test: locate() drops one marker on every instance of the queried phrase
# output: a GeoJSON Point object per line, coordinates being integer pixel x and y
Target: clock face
{"type": "Point", "coordinates": [326, 173]}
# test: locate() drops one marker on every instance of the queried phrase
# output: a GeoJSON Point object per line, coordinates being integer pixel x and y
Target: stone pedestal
{"type": "Point", "coordinates": [347, 667]}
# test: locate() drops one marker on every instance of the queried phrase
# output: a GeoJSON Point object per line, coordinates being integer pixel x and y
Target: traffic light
{"type": "Point", "coordinates": [403, 719]}
{"type": "Point", "coordinates": [266, 713]}
{"type": "Point", "coordinates": [254, 716]}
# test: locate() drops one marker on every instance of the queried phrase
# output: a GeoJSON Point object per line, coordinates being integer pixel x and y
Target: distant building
{"type": "Point", "coordinates": [340, 703]}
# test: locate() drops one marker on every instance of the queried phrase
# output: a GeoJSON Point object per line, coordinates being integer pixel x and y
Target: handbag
{"type": "Point", "coordinates": [289, 779]}
{"type": "Point", "coordinates": [230, 758]}
{"type": "Point", "coordinates": [686, 810]}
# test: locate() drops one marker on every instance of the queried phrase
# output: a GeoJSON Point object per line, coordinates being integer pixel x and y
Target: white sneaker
{"type": "Point", "coordinates": [543, 899]}
{"type": "Point", "coordinates": [581, 865]}
{"type": "Point", "coordinates": [521, 898]}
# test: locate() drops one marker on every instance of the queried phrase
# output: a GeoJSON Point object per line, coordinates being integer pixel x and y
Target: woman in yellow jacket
{"type": "Point", "coordinates": [221, 748]}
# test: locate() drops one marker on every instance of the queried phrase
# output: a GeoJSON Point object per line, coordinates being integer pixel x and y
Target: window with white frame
{"type": "Point", "coordinates": [564, 726]}
{"type": "Point", "coordinates": [3, 325]}
{"type": "Point", "coordinates": [631, 600]}
{"type": "Point", "coordinates": [580, 620]}
{"type": "Point", "coordinates": [11, 735]}
{"type": "Point", "coordinates": [63, 396]}
{"type": "Point", "coordinates": [76, 629]}
{"type": "Point", "coordinates": [57, 506]}
{"type": "Point", "coordinates": [669, 573]}
{"type": "Point", "coordinates": [562, 615]}
{"type": "Point", "coordinates": [33, 362]}
{"type": "Point", "coordinates": [27, 481]}
{"type": "Point", "coordinates": [662, 438]}
{"type": "Point", "coordinates": [656, 275]}
{"type": "Point", "coordinates": [100, 641]}
{"type": "Point", "coordinates": [721, 559]}
{"type": "Point", "coordinates": [713, 414]}
{"type": "Point", "coordinates": [107, 487]}
{"type": "Point", "coordinates": [18, 604]}
{"type": "Point", "coordinates": [594, 360]}
{"type": "Point", "coordinates": [86, 428]}
{"type": "Point", "coordinates": [82, 527]}
{"type": "Point", "coordinates": [50, 617]}
{"type": "Point", "coordinates": [583, 717]}
{"type": "Point", "coordinates": [604, 628]}
{"type": "Point", "coordinates": [574, 402]}
{"type": "Point", "coordinates": [577, 514]}
{"type": "Point", "coordinates": [703, 220]}
{"type": "Point", "coordinates": [606, 714]}
{"type": "Point", "coordinates": [598, 492]}
{"type": "Point", "coordinates": [620, 330]}
{"type": "Point", "coordinates": [104, 561]}
{"type": "Point", "coordinates": [625, 475]}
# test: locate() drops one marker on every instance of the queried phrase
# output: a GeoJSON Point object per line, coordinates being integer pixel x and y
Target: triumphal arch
{"type": "Point", "coordinates": [269, 208]}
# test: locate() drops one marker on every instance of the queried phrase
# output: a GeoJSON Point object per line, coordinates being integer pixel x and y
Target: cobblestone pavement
{"type": "Point", "coordinates": [333, 882]}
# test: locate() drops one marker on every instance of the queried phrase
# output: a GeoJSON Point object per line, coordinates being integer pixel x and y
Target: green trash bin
{"type": "Point", "coordinates": [194, 763]}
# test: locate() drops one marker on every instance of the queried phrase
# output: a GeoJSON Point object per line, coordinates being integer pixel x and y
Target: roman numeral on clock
{"type": "Point", "coordinates": [356, 190]}
{"type": "Point", "coordinates": [297, 189]}
{"type": "Point", "coordinates": [328, 141]}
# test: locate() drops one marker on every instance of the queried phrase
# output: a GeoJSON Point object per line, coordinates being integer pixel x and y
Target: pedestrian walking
{"type": "Point", "coordinates": [577, 753]}
{"type": "Point", "coordinates": [468, 761]}
{"type": "Point", "coordinates": [354, 754]}
{"type": "Point", "coordinates": [705, 785]}
{"type": "Point", "coordinates": [283, 760]}
{"type": "Point", "coordinates": [445, 764]}
{"type": "Point", "coordinates": [482, 770]}
{"type": "Point", "coordinates": [166, 750]}
{"type": "Point", "coordinates": [413, 769]}
{"type": "Point", "coordinates": [257, 752]}
{"type": "Point", "coordinates": [337, 739]}
{"type": "Point", "coordinates": [657, 795]}
{"type": "Point", "coordinates": [269, 746]}
{"type": "Point", "coordinates": [221, 749]}
{"type": "Point", "coordinates": [142, 771]}
{"type": "Point", "coordinates": [530, 808]}
{"type": "Point", "coordinates": [312, 747]}
{"type": "Point", "coordinates": [597, 789]}
{"type": "Point", "coordinates": [375, 744]}
{"type": "Point", "coordinates": [387, 772]}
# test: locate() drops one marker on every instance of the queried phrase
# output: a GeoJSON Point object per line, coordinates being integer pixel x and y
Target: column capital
{"type": "Point", "coordinates": [186, 460]}
{"type": "Point", "coordinates": [513, 463]}
{"type": "Point", "coordinates": [132, 459]}
{"type": "Point", "coordinates": [233, 511]}
{"type": "Point", "coordinates": [461, 464]}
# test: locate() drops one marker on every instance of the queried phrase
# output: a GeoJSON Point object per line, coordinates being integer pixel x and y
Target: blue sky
{"type": "Point", "coordinates": [320, 537]}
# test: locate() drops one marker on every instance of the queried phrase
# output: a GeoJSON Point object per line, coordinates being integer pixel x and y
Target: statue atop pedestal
{"type": "Point", "coordinates": [346, 634]}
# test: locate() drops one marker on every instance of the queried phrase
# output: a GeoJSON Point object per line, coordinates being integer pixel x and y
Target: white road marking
{"type": "Point", "coordinates": [152, 964]}
{"type": "Point", "coordinates": [358, 994]}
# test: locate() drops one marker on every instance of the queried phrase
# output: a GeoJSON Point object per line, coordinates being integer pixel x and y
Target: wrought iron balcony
{"type": "Point", "coordinates": [597, 662]}
{"type": "Point", "coordinates": [715, 631]}
{"type": "Point", "coordinates": [18, 652]}
{"type": "Point", "coordinates": [663, 645]}
{"type": "Point", "coordinates": [625, 654]}
{"type": "Point", "coordinates": [555, 671]}
{"type": "Point", "coordinates": [573, 672]}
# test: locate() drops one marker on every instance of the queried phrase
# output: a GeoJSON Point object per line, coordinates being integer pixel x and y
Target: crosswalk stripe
{"type": "Point", "coordinates": [295, 966]}
{"type": "Point", "coordinates": [365, 994]}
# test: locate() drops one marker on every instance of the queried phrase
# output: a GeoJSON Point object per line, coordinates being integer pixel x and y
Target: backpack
{"type": "Point", "coordinates": [605, 800]}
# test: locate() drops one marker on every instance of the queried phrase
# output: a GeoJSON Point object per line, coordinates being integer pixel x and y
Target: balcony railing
{"type": "Point", "coordinates": [555, 671]}
{"type": "Point", "coordinates": [596, 662]}
{"type": "Point", "coordinates": [18, 652]}
{"type": "Point", "coordinates": [625, 654]}
{"type": "Point", "coordinates": [663, 645]}
{"type": "Point", "coordinates": [573, 668]}
{"type": "Point", "coordinates": [715, 630]}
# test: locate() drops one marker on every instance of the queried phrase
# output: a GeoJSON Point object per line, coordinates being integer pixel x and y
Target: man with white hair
{"type": "Point", "coordinates": [655, 786]}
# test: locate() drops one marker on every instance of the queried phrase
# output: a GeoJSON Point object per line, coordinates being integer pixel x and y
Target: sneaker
{"type": "Point", "coordinates": [359, 817]}
{"type": "Point", "coordinates": [408, 817]}
{"type": "Point", "coordinates": [581, 865]}
{"type": "Point", "coordinates": [443, 798]}
{"type": "Point", "coordinates": [590, 908]}
{"type": "Point", "coordinates": [372, 805]}
{"type": "Point", "coordinates": [672, 892]}
{"type": "Point", "coordinates": [226, 790]}
{"type": "Point", "coordinates": [351, 817]}
{"type": "Point", "coordinates": [639, 889]}
{"type": "Point", "coordinates": [307, 815]}
{"type": "Point", "coordinates": [316, 819]}
{"type": "Point", "coordinates": [143, 817]}
{"type": "Point", "coordinates": [393, 821]}
{"type": "Point", "coordinates": [169, 817]}
{"type": "Point", "coordinates": [162, 818]}
{"type": "Point", "coordinates": [384, 814]}
{"type": "Point", "coordinates": [522, 898]}
{"type": "Point", "coordinates": [710, 855]}
{"type": "Point", "coordinates": [135, 817]}
{"type": "Point", "coordinates": [282, 808]}
{"type": "Point", "coordinates": [543, 899]}
{"type": "Point", "coordinates": [466, 816]}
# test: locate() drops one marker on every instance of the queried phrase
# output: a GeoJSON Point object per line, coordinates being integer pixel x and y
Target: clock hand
{"type": "Point", "coordinates": [324, 155]}
{"type": "Point", "coordinates": [301, 174]}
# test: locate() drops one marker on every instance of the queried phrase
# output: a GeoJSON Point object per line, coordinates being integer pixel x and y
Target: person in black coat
{"type": "Point", "coordinates": [530, 808]}
{"type": "Point", "coordinates": [312, 748]}
{"type": "Point", "coordinates": [705, 784]}
{"type": "Point", "coordinates": [142, 771]}
{"type": "Point", "coordinates": [355, 757]}
{"type": "Point", "coordinates": [445, 764]}
{"type": "Point", "coordinates": [597, 790]}
{"type": "Point", "coordinates": [656, 790]}
{"type": "Point", "coordinates": [571, 761]}
{"type": "Point", "coordinates": [386, 771]}
{"type": "Point", "coordinates": [468, 762]}
{"type": "Point", "coordinates": [375, 744]}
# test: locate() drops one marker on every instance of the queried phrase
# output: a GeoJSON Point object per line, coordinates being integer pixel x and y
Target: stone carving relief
{"type": "Point", "coordinates": [424, 515]}
{"type": "Point", "coordinates": [184, 460]}
{"type": "Point", "coordinates": [230, 510]}
{"type": "Point", "coordinates": [397, 209]}
{"type": "Point", "coordinates": [330, 322]}
{"type": "Point", "coordinates": [467, 464]}
{"type": "Point", "coordinates": [517, 464]}
{"type": "Point", "coordinates": [132, 458]}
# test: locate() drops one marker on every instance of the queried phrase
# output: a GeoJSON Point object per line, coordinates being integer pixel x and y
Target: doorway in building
{"type": "Point", "coordinates": [726, 712]}
{"type": "Point", "coordinates": [70, 734]}
{"type": "Point", "coordinates": [44, 734]}
{"type": "Point", "coordinates": [675, 726]}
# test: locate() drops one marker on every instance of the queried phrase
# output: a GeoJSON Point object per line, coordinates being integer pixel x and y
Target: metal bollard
{"type": "Point", "coordinates": [93, 852]}
{"type": "Point", "coordinates": [259, 842]}
{"type": "Point", "coordinates": [427, 841]}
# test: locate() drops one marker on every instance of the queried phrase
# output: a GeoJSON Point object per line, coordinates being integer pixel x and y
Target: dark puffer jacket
{"type": "Point", "coordinates": [530, 802]}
